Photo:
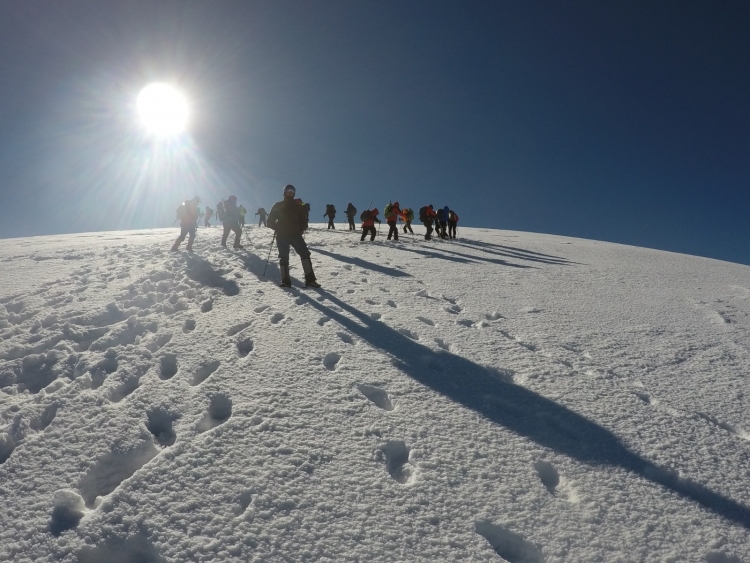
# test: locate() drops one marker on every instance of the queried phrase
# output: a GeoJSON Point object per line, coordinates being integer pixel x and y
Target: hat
{"type": "Point", "coordinates": [375, 211]}
{"type": "Point", "coordinates": [290, 189]}
{"type": "Point", "coordinates": [232, 198]}
{"type": "Point", "coordinates": [395, 204]}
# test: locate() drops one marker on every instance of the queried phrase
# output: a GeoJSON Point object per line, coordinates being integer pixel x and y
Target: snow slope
{"type": "Point", "coordinates": [506, 396]}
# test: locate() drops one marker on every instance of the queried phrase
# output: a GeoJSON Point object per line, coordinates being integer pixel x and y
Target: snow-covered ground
{"type": "Point", "coordinates": [505, 396]}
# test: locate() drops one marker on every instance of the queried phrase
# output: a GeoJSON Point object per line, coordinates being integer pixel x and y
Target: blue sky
{"type": "Point", "coordinates": [620, 121]}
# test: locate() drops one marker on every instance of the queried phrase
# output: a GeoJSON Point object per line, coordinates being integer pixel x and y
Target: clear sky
{"type": "Point", "coordinates": [623, 121]}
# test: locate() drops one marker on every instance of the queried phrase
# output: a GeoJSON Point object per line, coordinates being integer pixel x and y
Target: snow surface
{"type": "Point", "coordinates": [505, 396]}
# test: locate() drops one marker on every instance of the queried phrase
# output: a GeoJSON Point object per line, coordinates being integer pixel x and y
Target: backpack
{"type": "Point", "coordinates": [180, 212]}
{"type": "Point", "coordinates": [409, 214]}
{"type": "Point", "coordinates": [221, 212]}
{"type": "Point", "coordinates": [366, 215]}
{"type": "Point", "coordinates": [387, 210]}
{"type": "Point", "coordinates": [423, 214]}
{"type": "Point", "coordinates": [351, 210]}
{"type": "Point", "coordinates": [452, 217]}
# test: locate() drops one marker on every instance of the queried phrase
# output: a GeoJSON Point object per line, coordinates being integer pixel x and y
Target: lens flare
{"type": "Point", "coordinates": [163, 110]}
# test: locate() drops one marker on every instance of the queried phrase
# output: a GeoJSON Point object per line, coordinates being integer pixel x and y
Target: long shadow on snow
{"type": "Point", "coordinates": [518, 409]}
{"type": "Point", "coordinates": [362, 263]}
{"type": "Point", "coordinates": [504, 250]}
{"type": "Point", "coordinates": [463, 258]}
{"type": "Point", "coordinates": [201, 271]}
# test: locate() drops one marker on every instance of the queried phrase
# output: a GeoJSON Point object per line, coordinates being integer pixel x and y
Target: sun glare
{"type": "Point", "coordinates": [163, 110]}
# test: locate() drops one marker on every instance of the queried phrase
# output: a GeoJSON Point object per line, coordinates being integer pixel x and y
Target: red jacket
{"type": "Point", "coordinates": [370, 221]}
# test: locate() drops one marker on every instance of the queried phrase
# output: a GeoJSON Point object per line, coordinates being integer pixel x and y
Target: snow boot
{"type": "Point", "coordinates": [285, 279]}
{"type": "Point", "coordinates": [310, 280]}
{"type": "Point", "coordinates": [176, 245]}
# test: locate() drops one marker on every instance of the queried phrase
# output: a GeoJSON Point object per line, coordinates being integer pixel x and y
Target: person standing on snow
{"type": "Point", "coordinates": [392, 213]}
{"type": "Point", "coordinates": [369, 218]}
{"type": "Point", "coordinates": [262, 216]}
{"type": "Point", "coordinates": [209, 214]}
{"type": "Point", "coordinates": [231, 222]}
{"type": "Point", "coordinates": [427, 216]}
{"type": "Point", "coordinates": [188, 214]}
{"type": "Point", "coordinates": [351, 212]}
{"type": "Point", "coordinates": [407, 215]}
{"type": "Point", "coordinates": [289, 220]}
{"type": "Point", "coordinates": [452, 222]}
{"type": "Point", "coordinates": [331, 214]}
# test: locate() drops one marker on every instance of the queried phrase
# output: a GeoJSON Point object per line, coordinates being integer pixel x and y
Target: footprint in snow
{"type": "Point", "coordinates": [189, 326]}
{"type": "Point", "coordinates": [243, 500]}
{"type": "Point", "coordinates": [160, 423]}
{"type": "Point", "coordinates": [465, 322]}
{"type": "Point", "coordinates": [391, 303]}
{"type": "Point", "coordinates": [112, 469]}
{"type": "Point", "coordinates": [716, 422]}
{"type": "Point", "coordinates": [494, 316]}
{"type": "Point", "coordinates": [376, 395]}
{"type": "Point", "coordinates": [260, 309]}
{"type": "Point", "coordinates": [375, 316]}
{"type": "Point", "coordinates": [548, 475]}
{"type": "Point", "coordinates": [510, 546]}
{"type": "Point", "coordinates": [206, 306]}
{"type": "Point", "coordinates": [334, 274]}
{"type": "Point", "coordinates": [204, 371]}
{"type": "Point", "coordinates": [426, 321]}
{"type": "Point", "coordinates": [277, 318]}
{"type": "Point", "coordinates": [371, 302]}
{"type": "Point", "coordinates": [167, 366]}
{"type": "Point", "coordinates": [219, 411]}
{"type": "Point", "coordinates": [244, 347]}
{"type": "Point", "coordinates": [323, 320]}
{"type": "Point", "coordinates": [68, 509]}
{"type": "Point", "coordinates": [645, 397]}
{"type": "Point", "coordinates": [238, 328]}
{"type": "Point", "coordinates": [396, 456]}
{"type": "Point", "coordinates": [453, 309]}
{"type": "Point", "coordinates": [345, 337]}
{"type": "Point", "coordinates": [331, 360]}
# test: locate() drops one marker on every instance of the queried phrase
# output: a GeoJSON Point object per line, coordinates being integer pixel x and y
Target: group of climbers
{"type": "Point", "coordinates": [289, 220]}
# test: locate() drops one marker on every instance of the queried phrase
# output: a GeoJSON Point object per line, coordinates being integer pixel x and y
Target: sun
{"type": "Point", "coordinates": [163, 110]}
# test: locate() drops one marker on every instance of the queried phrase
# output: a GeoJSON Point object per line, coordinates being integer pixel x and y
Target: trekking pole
{"type": "Point", "coordinates": [269, 252]}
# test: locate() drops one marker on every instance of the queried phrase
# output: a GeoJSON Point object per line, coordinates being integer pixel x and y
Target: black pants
{"type": "Point", "coordinates": [185, 231]}
{"type": "Point", "coordinates": [428, 226]}
{"type": "Point", "coordinates": [295, 241]}
{"type": "Point", "coordinates": [352, 226]}
{"type": "Point", "coordinates": [452, 229]}
{"type": "Point", "coordinates": [393, 231]}
{"type": "Point", "coordinates": [330, 222]}
{"type": "Point", "coordinates": [442, 229]}
{"type": "Point", "coordinates": [262, 220]}
{"type": "Point", "coordinates": [371, 230]}
{"type": "Point", "coordinates": [237, 234]}
{"type": "Point", "coordinates": [407, 225]}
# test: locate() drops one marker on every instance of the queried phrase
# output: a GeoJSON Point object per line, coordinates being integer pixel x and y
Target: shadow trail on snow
{"type": "Point", "coordinates": [362, 263]}
{"type": "Point", "coordinates": [201, 271]}
{"type": "Point", "coordinates": [442, 254]}
{"type": "Point", "coordinates": [518, 409]}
